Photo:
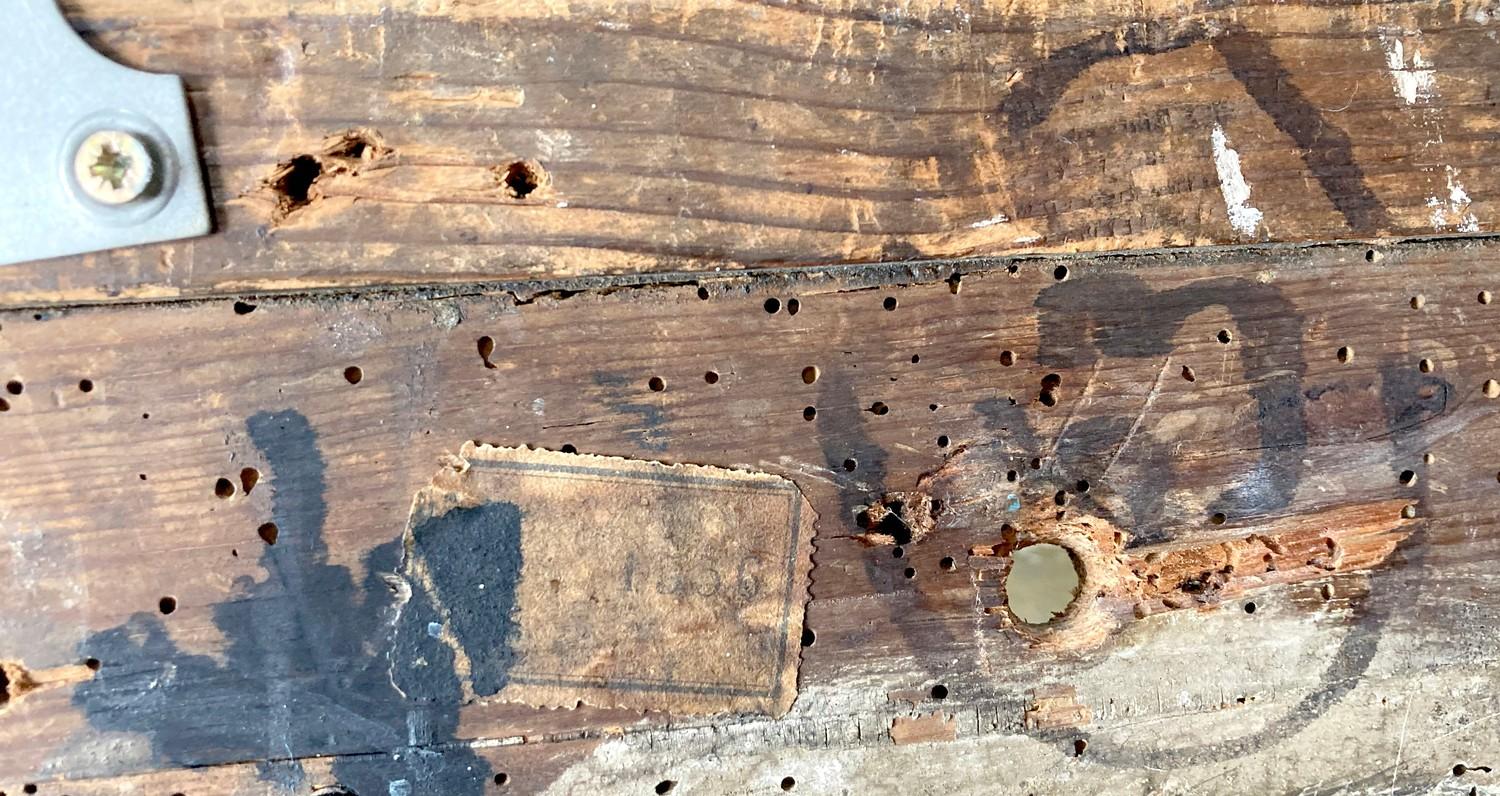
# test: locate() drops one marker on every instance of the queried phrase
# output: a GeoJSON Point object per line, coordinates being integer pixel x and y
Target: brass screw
{"type": "Point", "coordinates": [113, 167]}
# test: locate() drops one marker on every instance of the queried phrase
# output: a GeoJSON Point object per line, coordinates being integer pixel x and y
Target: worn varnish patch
{"type": "Point", "coordinates": [560, 579]}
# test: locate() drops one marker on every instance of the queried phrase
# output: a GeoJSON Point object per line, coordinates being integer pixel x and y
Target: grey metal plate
{"type": "Point", "coordinates": [55, 91]}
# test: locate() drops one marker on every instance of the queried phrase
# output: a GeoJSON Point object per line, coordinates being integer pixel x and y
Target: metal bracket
{"type": "Point", "coordinates": [97, 155]}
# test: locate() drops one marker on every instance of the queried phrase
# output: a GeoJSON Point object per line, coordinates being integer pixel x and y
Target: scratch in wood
{"type": "Point", "coordinates": [1140, 416]}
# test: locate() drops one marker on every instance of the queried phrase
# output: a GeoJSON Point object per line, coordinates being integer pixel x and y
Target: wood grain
{"type": "Point", "coordinates": [1371, 669]}
{"type": "Point", "coordinates": [735, 134]}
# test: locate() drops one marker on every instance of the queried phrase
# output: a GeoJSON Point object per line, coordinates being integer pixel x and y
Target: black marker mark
{"type": "Point", "coordinates": [1326, 149]}
{"type": "Point", "coordinates": [306, 670]}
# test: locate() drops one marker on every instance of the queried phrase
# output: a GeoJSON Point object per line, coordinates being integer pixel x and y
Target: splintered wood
{"type": "Point", "coordinates": [1273, 473]}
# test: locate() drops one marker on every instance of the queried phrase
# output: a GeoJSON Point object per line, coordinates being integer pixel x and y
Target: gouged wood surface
{"type": "Point", "coordinates": [1366, 671]}
{"type": "Point", "coordinates": [731, 134]}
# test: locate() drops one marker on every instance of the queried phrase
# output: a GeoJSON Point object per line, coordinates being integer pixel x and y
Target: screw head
{"type": "Point", "coordinates": [113, 167]}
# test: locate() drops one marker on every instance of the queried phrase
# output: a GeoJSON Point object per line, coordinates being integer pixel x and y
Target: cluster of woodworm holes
{"type": "Point", "coordinates": [15, 388]}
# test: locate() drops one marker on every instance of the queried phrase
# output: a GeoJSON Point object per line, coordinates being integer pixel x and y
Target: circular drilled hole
{"type": "Point", "coordinates": [809, 412]}
{"type": "Point", "coordinates": [1426, 366]}
{"type": "Point", "coordinates": [1007, 358]}
{"type": "Point", "coordinates": [268, 532]}
{"type": "Point", "coordinates": [787, 783]}
{"type": "Point", "coordinates": [92, 663]}
{"type": "Point", "coordinates": [1060, 273]}
{"type": "Point", "coordinates": [889, 303]}
{"type": "Point", "coordinates": [85, 385]}
{"type": "Point", "coordinates": [166, 605]}
{"type": "Point", "coordinates": [353, 374]}
{"type": "Point", "coordinates": [810, 374]}
{"type": "Point", "coordinates": [793, 306]}
{"type": "Point", "coordinates": [1042, 583]}
{"type": "Point", "coordinates": [1225, 336]}
{"type": "Point", "coordinates": [1250, 608]}
{"type": "Point", "coordinates": [1418, 302]}
{"type": "Point", "coordinates": [948, 564]}
{"type": "Point", "coordinates": [809, 638]}
{"type": "Point", "coordinates": [656, 384]}
{"type": "Point", "coordinates": [501, 778]}
{"type": "Point", "coordinates": [1345, 354]}
{"type": "Point", "coordinates": [939, 691]}
{"type": "Point", "coordinates": [772, 305]}
{"type": "Point", "coordinates": [1408, 477]}
{"type": "Point", "coordinates": [224, 488]}
{"type": "Point", "coordinates": [711, 377]}
{"type": "Point", "coordinates": [910, 572]}
{"type": "Point", "coordinates": [1218, 518]}
{"type": "Point", "coordinates": [943, 441]}
{"type": "Point", "coordinates": [851, 464]}
{"type": "Point", "coordinates": [14, 387]}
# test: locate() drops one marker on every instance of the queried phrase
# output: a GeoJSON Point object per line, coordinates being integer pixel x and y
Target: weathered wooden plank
{"type": "Point", "coordinates": [1331, 390]}
{"type": "Point", "coordinates": [743, 134]}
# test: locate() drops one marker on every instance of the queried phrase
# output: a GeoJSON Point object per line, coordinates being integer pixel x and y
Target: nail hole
{"type": "Point", "coordinates": [249, 477]}
{"type": "Point", "coordinates": [898, 551]}
{"type": "Point", "coordinates": [167, 605]}
{"type": "Point", "coordinates": [224, 488]}
{"type": "Point", "coordinates": [14, 387]}
{"type": "Point", "coordinates": [1425, 366]}
{"type": "Point", "coordinates": [851, 464]}
{"type": "Point", "coordinates": [268, 532]}
{"type": "Point", "coordinates": [942, 441]}
{"type": "Point", "coordinates": [1082, 485]}
{"type": "Point", "coordinates": [501, 778]}
{"type": "Point", "coordinates": [353, 374]}
{"type": "Point", "coordinates": [92, 663]}
{"type": "Point", "coordinates": [1371, 255]}
{"type": "Point", "coordinates": [810, 374]}
{"type": "Point", "coordinates": [711, 377]}
{"type": "Point", "coordinates": [1079, 747]}
{"type": "Point", "coordinates": [1408, 477]}
{"type": "Point", "coordinates": [948, 564]}
{"type": "Point", "coordinates": [1250, 608]}
{"type": "Point", "coordinates": [1060, 273]}
{"type": "Point", "coordinates": [86, 385]}
{"type": "Point", "coordinates": [665, 786]}
{"type": "Point", "coordinates": [939, 691]}
{"type": "Point", "coordinates": [915, 358]}
{"type": "Point", "coordinates": [1042, 582]}
{"type": "Point", "coordinates": [910, 572]}
{"type": "Point", "coordinates": [772, 305]}
{"type": "Point", "coordinates": [889, 303]}
{"type": "Point", "coordinates": [1224, 336]}
{"type": "Point", "coordinates": [1218, 518]}
{"type": "Point", "coordinates": [787, 783]}
{"type": "Point", "coordinates": [523, 177]}
{"type": "Point", "coordinates": [243, 308]}
{"type": "Point", "coordinates": [656, 384]}
{"type": "Point", "coordinates": [793, 306]}
{"type": "Point", "coordinates": [1345, 354]}
{"type": "Point", "coordinates": [809, 412]}
{"type": "Point", "coordinates": [1007, 358]}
